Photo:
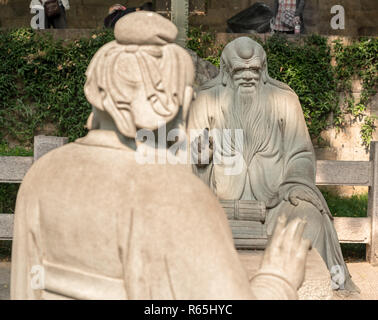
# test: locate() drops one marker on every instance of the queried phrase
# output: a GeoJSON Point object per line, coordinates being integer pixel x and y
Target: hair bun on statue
{"type": "Point", "coordinates": [144, 28]}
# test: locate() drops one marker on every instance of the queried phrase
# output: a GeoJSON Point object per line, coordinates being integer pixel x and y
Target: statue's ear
{"type": "Point", "coordinates": [225, 77]}
{"type": "Point", "coordinates": [264, 75]}
{"type": "Point", "coordinates": [223, 72]}
{"type": "Point", "coordinates": [264, 70]}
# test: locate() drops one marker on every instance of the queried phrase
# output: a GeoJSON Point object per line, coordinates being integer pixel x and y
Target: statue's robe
{"type": "Point", "coordinates": [103, 226]}
{"type": "Point", "coordinates": [276, 155]}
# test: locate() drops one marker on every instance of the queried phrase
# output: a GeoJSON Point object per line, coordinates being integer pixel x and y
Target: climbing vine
{"type": "Point", "coordinates": [41, 84]}
{"type": "Point", "coordinates": [306, 67]}
{"type": "Point", "coordinates": [203, 43]}
{"type": "Point", "coordinates": [358, 60]}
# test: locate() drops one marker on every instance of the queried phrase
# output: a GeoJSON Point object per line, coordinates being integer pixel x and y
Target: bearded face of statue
{"type": "Point", "coordinates": [244, 70]}
{"type": "Point", "coordinates": [243, 61]}
{"type": "Point", "coordinates": [243, 64]}
{"type": "Point", "coordinates": [246, 75]}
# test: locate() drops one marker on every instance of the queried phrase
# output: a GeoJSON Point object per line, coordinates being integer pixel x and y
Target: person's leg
{"type": "Point", "coordinates": [60, 22]}
{"type": "Point", "coordinates": [322, 234]}
{"type": "Point", "coordinates": [47, 22]}
{"type": "Point", "coordinates": [314, 230]}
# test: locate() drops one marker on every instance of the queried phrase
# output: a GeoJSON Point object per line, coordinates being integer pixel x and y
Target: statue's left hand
{"type": "Point", "coordinates": [306, 194]}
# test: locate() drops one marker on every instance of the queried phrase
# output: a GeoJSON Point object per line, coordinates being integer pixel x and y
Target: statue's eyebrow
{"type": "Point", "coordinates": [256, 61]}
{"type": "Point", "coordinates": [253, 64]}
{"type": "Point", "coordinates": [238, 66]}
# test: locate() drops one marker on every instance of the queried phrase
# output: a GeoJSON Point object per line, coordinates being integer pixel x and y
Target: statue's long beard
{"type": "Point", "coordinates": [248, 112]}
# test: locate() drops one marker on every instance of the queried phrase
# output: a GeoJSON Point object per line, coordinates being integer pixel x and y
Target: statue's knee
{"type": "Point", "coordinates": [304, 210]}
{"type": "Point", "coordinates": [314, 218]}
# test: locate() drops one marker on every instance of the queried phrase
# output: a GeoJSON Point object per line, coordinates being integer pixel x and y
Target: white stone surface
{"type": "Point", "coordinates": [316, 285]}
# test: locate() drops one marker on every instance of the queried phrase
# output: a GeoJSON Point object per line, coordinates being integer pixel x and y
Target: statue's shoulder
{"type": "Point", "coordinates": [52, 158]}
{"type": "Point", "coordinates": [284, 96]}
{"type": "Point", "coordinates": [41, 169]}
{"type": "Point", "coordinates": [209, 90]}
{"type": "Point", "coordinates": [283, 91]}
{"type": "Point", "coordinates": [205, 97]}
{"type": "Point", "coordinates": [75, 157]}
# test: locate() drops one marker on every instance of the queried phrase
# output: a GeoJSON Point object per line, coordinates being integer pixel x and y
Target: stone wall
{"type": "Point", "coordinates": [360, 15]}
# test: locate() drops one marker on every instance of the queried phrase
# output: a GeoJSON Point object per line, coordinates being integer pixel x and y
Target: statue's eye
{"type": "Point", "coordinates": [238, 71]}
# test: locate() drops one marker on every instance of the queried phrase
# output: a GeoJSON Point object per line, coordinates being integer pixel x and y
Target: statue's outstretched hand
{"type": "Point", "coordinates": [203, 149]}
{"type": "Point", "coordinates": [285, 257]}
{"type": "Point", "coordinates": [305, 194]}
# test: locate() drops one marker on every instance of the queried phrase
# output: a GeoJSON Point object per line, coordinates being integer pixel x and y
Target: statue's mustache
{"type": "Point", "coordinates": [248, 83]}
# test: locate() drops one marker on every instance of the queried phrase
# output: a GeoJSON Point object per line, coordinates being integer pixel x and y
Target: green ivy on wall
{"type": "Point", "coordinates": [306, 68]}
{"type": "Point", "coordinates": [42, 79]}
{"type": "Point", "coordinates": [203, 43]}
{"type": "Point", "coordinates": [358, 59]}
{"type": "Point", "coordinates": [41, 83]}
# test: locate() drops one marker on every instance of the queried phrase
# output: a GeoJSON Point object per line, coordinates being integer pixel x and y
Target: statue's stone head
{"type": "Point", "coordinates": [243, 65]}
{"type": "Point", "coordinates": [244, 68]}
{"type": "Point", "coordinates": [142, 78]}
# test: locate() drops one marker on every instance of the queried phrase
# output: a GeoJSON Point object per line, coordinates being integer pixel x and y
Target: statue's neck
{"type": "Point", "coordinates": [104, 122]}
{"type": "Point", "coordinates": [156, 140]}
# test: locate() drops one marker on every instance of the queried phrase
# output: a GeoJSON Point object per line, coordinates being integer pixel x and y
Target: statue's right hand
{"type": "Point", "coordinates": [286, 254]}
{"type": "Point", "coordinates": [203, 145]}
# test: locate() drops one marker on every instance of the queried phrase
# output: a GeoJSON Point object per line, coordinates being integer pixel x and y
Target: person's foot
{"type": "Point", "coordinates": [351, 287]}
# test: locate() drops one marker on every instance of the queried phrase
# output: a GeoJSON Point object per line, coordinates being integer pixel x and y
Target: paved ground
{"type": "Point", "coordinates": [316, 285]}
{"type": "Point", "coordinates": [364, 275]}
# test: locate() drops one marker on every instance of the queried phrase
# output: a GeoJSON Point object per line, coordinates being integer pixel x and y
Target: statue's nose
{"type": "Point", "coordinates": [248, 75]}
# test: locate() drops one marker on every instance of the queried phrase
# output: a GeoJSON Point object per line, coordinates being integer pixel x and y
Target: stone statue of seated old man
{"type": "Point", "coordinates": [92, 222]}
{"type": "Point", "coordinates": [268, 144]}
